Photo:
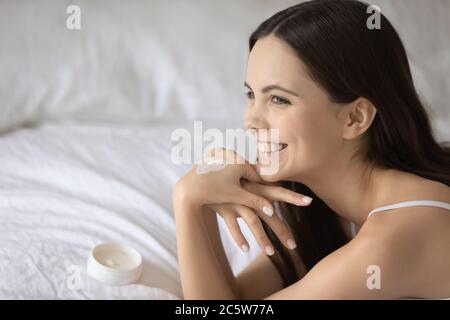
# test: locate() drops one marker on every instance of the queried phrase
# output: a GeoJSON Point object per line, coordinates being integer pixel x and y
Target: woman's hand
{"type": "Point", "coordinates": [222, 186]}
{"type": "Point", "coordinates": [231, 212]}
{"type": "Point", "coordinates": [238, 191]}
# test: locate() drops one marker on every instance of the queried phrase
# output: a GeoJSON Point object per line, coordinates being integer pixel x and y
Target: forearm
{"type": "Point", "coordinates": [212, 226]}
{"type": "Point", "coordinates": [204, 273]}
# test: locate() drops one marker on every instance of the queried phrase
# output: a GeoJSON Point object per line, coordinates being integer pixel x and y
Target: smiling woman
{"type": "Point", "coordinates": [348, 63]}
{"type": "Point", "coordinates": [355, 138]}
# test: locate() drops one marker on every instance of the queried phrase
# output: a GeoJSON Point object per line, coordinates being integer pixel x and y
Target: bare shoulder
{"type": "Point", "coordinates": [408, 224]}
{"type": "Point", "coordinates": [404, 187]}
{"type": "Point", "coordinates": [365, 268]}
{"type": "Point", "coordinates": [415, 240]}
{"type": "Point", "coordinates": [396, 254]}
{"type": "Point", "coordinates": [416, 187]}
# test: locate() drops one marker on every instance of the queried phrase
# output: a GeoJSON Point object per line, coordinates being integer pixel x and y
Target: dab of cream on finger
{"type": "Point", "coordinates": [210, 165]}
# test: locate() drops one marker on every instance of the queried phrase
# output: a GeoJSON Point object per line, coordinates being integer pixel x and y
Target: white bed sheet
{"type": "Point", "coordinates": [65, 188]}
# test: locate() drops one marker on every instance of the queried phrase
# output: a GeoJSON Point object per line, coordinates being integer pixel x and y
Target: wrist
{"type": "Point", "coordinates": [185, 203]}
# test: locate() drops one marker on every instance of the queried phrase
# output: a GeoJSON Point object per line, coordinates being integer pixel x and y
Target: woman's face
{"type": "Point", "coordinates": [282, 96]}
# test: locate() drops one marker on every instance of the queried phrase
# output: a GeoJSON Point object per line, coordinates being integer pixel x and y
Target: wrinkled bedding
{"type": "Point", "coordinates": [65, 188]}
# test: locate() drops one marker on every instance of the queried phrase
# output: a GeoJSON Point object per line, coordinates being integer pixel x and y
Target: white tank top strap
{"type": "Point", "coordinates": [353, 229]}
{"type": "Point", "coordinates": [430, 203]}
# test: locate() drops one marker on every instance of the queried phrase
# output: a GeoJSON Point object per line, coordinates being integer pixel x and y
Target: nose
{"type": "Point", "coordinates": [255, 118]}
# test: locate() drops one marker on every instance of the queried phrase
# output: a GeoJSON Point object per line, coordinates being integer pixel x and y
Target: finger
{"type": "Point", "coordinates": [256, 227]}
{"type": "Point", "coordinates": [277, 193]}
{"type": "Point", "coordinates": [254, 201]}
{"type": "Point", "coordinates": [217, 207]}
{"type": "Point", "coordinates": [229, 216]}
{"type": "Point", "coordinates": [229, 155]}
{"type": "Point", "coordinates": [281, 230]}
{"type": "Point", "coordinates": [249, 173]}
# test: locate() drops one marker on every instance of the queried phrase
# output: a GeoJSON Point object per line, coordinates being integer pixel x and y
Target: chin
{"type": "Point", "coordinates": [270, 173]}
{"type": "Point", "coordinates": [275, 177]}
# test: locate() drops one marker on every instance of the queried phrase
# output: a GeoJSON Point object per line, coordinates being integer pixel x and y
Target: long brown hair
{"type": "Point", "coordinates": [349, 60]}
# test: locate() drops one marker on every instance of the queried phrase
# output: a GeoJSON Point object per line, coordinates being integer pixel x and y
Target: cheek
{"type": "Point", "coordinates": [315, 136]}
{"type": "Point", "coordinates": [306, 127]}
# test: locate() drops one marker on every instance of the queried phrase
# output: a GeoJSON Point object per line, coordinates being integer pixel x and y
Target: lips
{"type": "Point", "coordinates": [267, 151]}
{"type": "Point", "coordinates": [267, 147]}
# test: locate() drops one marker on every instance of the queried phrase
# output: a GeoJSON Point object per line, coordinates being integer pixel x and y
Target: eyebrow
{"type": "Point", "coordinates": [273, 87]}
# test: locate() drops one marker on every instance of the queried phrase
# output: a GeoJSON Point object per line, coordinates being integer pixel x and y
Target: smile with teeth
{"type": "Point", "coordinates": [268, 148]}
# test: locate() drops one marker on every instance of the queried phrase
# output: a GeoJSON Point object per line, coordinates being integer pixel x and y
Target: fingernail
{"type": "Point", "coordinates": [269, 250]}
{"type": "Point", "coordinates": [306, 200]}
{"type": "Point", "coordinates": [291, 244]}
{"type": "Point", "coordinates": [244, 247]}
{"type": "Point", "coordinates": [268, 211]}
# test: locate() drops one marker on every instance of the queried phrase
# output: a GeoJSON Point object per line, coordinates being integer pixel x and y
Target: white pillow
{"type": "Point", "coordinates": [170, 61]}
{"type": "Point", "coordinates": [134, 61]}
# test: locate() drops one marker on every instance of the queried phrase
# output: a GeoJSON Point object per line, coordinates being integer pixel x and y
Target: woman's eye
{"type": "Point", "coordinates": [279, 100]}
{"type": "Point", "coordinates": [250, 95]}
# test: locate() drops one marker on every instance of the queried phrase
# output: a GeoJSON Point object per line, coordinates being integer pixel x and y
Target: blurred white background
{"type": "Point", "coordinates": [171, 61]}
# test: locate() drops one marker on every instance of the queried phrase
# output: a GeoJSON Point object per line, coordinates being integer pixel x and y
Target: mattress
{"type": "Point", "coordinates": [66, 187]}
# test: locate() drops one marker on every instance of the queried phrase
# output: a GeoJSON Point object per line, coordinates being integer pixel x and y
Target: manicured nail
{"type": "Point", "coordinates": [268, 211]}
{"type": "Point", "coordinates": [244, 248]}
{"type": "Point", "coordinates": [291, 244]}
{"type": "Point", "coordinates": [306, 200]}
{"type": "Point", "coordinates": [269, 250]}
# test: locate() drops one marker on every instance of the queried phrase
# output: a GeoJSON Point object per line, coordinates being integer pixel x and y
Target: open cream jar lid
{"type": "Point", "coordinates": [114, 264]}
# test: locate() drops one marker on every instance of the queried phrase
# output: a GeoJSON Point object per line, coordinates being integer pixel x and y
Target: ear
{"type": "Point", "coordinates": [357, 118]}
